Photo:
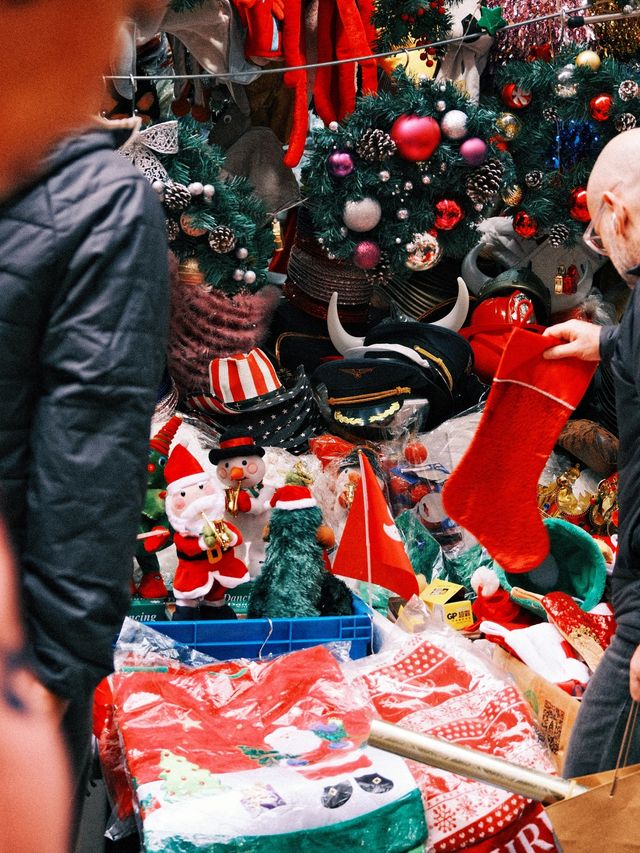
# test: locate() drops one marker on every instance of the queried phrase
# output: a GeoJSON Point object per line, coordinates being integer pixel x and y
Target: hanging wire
{"type": "Point", "coordinates": [572, 17]}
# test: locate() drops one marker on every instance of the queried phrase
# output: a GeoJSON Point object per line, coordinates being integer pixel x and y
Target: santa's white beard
{"type": "Point", "coordinates": [191, 520]}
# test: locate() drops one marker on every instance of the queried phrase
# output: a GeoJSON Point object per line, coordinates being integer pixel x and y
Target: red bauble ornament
{"type": "Point", "coordinates": [415, 453]}
{"type": "Point", "coordinates": [524, 225]}
{"type": "Point", "coordinates": [515, 97]}
{"type": "Point", "coordinates": [578, 209]}
{"type": "Point", "coordinates": [448, 214]}
{"type": "Point", "coordinates": [416, 137]}
{"type": "Point", "coordinates": [540, 51]}
{"type": "Point", "coordinates": [600, 106]}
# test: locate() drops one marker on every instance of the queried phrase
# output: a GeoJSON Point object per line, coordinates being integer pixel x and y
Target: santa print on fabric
{"type": "Point", "coordinates": [371, 548]}
{"type": "Point", "coordinates": [207, 565]}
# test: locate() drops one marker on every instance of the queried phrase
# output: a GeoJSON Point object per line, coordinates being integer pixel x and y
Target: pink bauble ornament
{"type": "Point", "coordinates": [340, 164]}
{"type": "Point", "coordinates": [524, 225]}
{"type": "Point", "coordinates": [362, 215]}
{"type": "Point", "coordinates": [578, 209]}
{"type": "Point", "coordinates": [366, 254]}
{"type": "Point", "coordinates": [448, 214]}
{"type": "Point", "coordinates": [474, 151]}
{"type": "Point", "coordinates": [416, 137]}
{"type": "Point", "coordinates": [515, 97]}
{"type": "Point", "coordinates": [454, 124]}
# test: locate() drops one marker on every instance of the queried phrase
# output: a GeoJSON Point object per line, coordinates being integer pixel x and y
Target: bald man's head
{"type": "Point", "coordinates": [613, 196]}
{"type": "Point", "coordinates": [618, 166]}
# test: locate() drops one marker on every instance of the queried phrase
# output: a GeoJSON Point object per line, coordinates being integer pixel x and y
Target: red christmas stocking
{"type": "Point", "coordinates": [493, 490]}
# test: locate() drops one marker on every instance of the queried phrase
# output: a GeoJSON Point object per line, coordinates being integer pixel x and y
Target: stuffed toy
{"type": "Point", "coordinates": [240, 468]}
{"type": "Point", "coordinates": [295, 578]}
{"type": "Point", "coordinates": [153, 533]}
{"type": "Point", "coordinates": [207, 565]}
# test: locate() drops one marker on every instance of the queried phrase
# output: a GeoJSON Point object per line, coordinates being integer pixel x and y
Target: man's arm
{"type": "Point", "coordinates": [101, 360]}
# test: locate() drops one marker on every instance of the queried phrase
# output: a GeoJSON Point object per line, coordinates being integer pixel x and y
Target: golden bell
{"type": "Point", "coordinates": [189, 272]}
{"type": "Point", "coordinates": [512, 196]}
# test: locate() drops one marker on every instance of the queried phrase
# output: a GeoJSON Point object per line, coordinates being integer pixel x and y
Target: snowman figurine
{"type": "Point", "coordinates": [240, 468]}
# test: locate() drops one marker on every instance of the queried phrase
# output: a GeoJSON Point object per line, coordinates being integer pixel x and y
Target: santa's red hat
{"type": "Point", "coordinates": [183, 470]}
{"type": "Point", "coordinates": [293, 497]}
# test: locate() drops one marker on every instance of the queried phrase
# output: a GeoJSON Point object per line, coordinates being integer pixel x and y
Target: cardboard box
{"type": "Point", "coordinates": [553, 708]}
{"type": "Point", "coordinates": [446, 600]}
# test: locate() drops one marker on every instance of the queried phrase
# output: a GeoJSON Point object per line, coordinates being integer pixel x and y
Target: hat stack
{"type": "Point", "coordinates": [207, 323]}
{"type": "Point", "coordinates": [397, 362]}
{"type": "Point", "coordinates": [245, 391]}
{"type": "Point", "coordinates": [312, 277]}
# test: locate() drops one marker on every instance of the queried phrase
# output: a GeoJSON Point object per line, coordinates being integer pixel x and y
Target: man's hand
{"type": "Point", "coordinates": [581, 340]}
{"type": "Point", "coordinates": [634, 676]}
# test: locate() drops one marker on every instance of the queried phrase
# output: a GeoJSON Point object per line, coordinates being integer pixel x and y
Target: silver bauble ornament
{"type": "Point", "coordinates": [249, 277]}
{"type": "Point", "coordinates": [242, 253]}
{"type": "Point", "coordinates": [384, 176]}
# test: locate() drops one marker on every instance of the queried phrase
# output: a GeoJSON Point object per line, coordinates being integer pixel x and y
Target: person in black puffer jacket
{"type": "Point", "coordinates": [83, 318]}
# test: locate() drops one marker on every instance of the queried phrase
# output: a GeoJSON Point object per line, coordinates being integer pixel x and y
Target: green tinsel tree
{"type": "Point", "coordinates": [575, 109]}
{"type": "Point", "coordinates": [426, 206]}
{"type": "Point", "coordinates": [217, 220]}
{"type": "Point", "coordinates": [405, 23]}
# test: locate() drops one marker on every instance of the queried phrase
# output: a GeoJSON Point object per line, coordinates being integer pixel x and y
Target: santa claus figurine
{"type": "Point", "coordinates": [207, 565]}
{"type": "Point", "coordinates": [240, 468]}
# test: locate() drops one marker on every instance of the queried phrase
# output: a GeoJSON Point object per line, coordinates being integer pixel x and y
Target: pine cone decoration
{"type": "Point", "coordinates": [625, 121]}
{"type": "Point", "coordinates": [550, 114]}
{"type": "Point", "coordinates": [483, 184]}
{"type": "Point", "coordinates": [176, 196]}
{"type": "Point", "coordinates": [533, 179]}
{"type": "Point", "coordinates": [558, 234]}
{"type": "Point", "coordinates": [375, 145]}
{"type": "Point", "coordinates": [627, 90]}
{"type": "Point", "coordinates": [173, 229]}
{"type": "Point", "coordinates": [222, 239]}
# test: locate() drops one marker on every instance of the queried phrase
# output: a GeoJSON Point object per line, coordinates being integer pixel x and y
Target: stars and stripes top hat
{"type": "Point", "coordinates": [237, 380]}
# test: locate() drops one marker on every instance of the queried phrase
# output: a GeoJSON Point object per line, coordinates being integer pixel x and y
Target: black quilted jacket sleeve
{"type": "Point", "coordinates": [83, 316]}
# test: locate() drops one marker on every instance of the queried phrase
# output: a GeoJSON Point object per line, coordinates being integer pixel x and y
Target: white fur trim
{"type": "Point", "coordinates": [185, 482]}
{"type": "Point", "coordinates": [303, 503]}
{"type": "Point", "coordinates": [230, 583]}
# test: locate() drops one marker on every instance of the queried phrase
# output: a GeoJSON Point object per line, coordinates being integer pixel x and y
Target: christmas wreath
{"type": "Point", "coordinates": [214, 219]}
{"type": "Point", "coordinates": [561, 115]}
{"type": "Point", "coordinates": [406, 177]}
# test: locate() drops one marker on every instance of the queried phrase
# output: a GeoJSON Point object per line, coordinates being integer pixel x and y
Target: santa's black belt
{"type": "Point", "coordinates": [190, 558]}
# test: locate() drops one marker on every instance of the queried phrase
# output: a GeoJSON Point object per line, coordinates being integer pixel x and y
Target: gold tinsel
{"type": "Point", "coordinates": [620, 39]}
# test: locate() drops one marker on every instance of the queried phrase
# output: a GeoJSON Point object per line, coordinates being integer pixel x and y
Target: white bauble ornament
{"type": "Point", "coordinates": [362, 215]}
{"type": "Point", "coordinates": [454, 124]}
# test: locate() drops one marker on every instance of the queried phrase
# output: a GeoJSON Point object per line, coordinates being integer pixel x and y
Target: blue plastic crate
{"type": "Point", "coordinates": [252, 638]}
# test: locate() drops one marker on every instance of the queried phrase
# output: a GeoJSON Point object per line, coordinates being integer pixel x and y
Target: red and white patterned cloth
{"type": "Point", "coordinates": [443, 688]}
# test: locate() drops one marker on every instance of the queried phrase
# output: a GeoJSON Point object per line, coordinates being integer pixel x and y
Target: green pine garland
{"type": "Point", "coordinates": [446, 170]}
{"type": "Point", "coordinates": [558, 124]}
{"type": "Point", "coordinates": [233, 205]}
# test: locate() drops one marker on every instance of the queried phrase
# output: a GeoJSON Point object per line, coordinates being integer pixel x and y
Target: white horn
{"type": "Point", "coordinates": [458, 314]}
{"type": "Point", "coordinates": [471, 272]}
{"type": "Point", "coordinates": [340, 338]}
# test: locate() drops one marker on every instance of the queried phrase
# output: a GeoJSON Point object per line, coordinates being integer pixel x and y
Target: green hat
{"type": "Point", "coordinates": [583, 571]}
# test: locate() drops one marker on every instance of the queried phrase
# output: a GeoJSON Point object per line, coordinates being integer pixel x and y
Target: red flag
{"type": "Point", "coordinates": [371, 547]}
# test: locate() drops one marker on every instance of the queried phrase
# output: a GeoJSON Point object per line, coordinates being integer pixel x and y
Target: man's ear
{"type": "Point", "coordinates": [619, 212]}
